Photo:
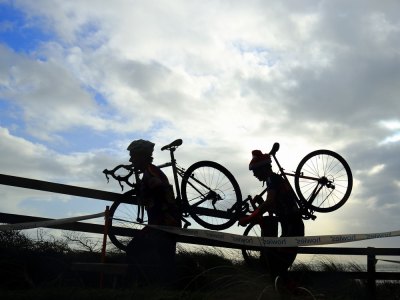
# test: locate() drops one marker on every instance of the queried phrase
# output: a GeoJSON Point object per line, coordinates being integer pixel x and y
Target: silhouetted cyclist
{"type": "Point", "coordinates": [281, 202]}
{"type": "Point", "coordinates": [152, 251]}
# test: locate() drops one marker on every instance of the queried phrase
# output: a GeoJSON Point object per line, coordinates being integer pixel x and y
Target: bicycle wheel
{"type": "Point", "coordinates": [323, 180]}
{"type": "Point", "coordinates": [121, 226]}
{"type": "Point", "coordinates": [253, 257]}
{"type": "Point", "coordinates": [210, 191]}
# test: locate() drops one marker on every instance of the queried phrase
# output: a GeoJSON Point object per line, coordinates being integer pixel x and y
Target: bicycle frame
{"type": "Point", "coordinates": [305, 212]}
{"type": "Point", "coordinates": [178, 171]}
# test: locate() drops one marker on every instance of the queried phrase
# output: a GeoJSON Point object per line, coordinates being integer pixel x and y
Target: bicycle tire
{"type": "Point", "coordinates": [217, 193]}
{"type": "Point", "coordinates": [121, 224]}
{"type": "Point", "coordinates": [324, 165]}
{"type": "Point", "coordinates": [253, 257]}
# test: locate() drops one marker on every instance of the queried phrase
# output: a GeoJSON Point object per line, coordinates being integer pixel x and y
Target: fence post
{"type": "Point", "coordinates": [371, 262]}
{"type": "Point", "coordinates": [103, 249]}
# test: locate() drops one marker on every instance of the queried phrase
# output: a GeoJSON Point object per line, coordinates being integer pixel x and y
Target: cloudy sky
{"type": "Point", "coordinates": [80, 79]}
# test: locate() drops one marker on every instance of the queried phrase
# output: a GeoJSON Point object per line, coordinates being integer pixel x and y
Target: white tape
{"type": "Point", "coordinates": [29, 225]}
{"type": "Point", "coordinates": [390, 260]}
{"type": "Point", "coordinates": [242, 240]}
{"type": "Point", "coordinates": [230, 238]}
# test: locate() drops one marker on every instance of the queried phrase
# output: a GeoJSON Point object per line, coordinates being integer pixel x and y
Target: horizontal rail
{"type": "Point", "coordinates": [350, 274]}
{"type": "Point", "coordinates": [122, 268]}
{"type": "Point", "coordinates": [109, 268]}
{"type": "Point", "coordinates": [62, 188]}
{"type": "Point", "coordinates": [93, 193]}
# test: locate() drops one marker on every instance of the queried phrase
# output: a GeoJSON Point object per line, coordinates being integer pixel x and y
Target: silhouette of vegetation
{"type": "Point", "coordinates": [41, 269]}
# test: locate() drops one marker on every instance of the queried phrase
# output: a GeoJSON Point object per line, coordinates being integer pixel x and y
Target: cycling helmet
{"type": "Point", "coordinates": [141, 147]}
{"type": "Point", "coordinates": [259, 159]}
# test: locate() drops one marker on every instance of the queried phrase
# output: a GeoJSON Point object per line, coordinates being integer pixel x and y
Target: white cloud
{"type": "Point", "coordinates": [227, 77]}
{"type": "Point", "coordinates": [376, 169]}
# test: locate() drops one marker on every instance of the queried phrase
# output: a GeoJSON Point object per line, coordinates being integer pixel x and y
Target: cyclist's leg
{"type": "Point", "coordinates": [141, 255]}
{"type": "Point", "coordinates": [285, 256]}
{"type": "Point", "coordinates": [151, 256]}
{"type": "Point", "coordinates": [269, 228]}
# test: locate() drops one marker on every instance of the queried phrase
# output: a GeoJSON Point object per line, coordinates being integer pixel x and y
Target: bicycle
{"type": "Point", "coordinates": [207, 193]}
{"type": "Point", "coordinates": [323, 183]}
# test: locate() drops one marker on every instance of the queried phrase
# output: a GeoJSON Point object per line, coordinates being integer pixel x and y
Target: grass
{"type": "Point", "coordinates": [41, 270]}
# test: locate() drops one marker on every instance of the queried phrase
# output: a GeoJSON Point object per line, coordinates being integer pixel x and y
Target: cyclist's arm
{"type": "Point", "coordinates": [269, 204]}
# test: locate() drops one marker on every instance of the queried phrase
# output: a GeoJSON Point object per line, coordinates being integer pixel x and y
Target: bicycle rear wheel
{"type": "Point", "coordinates": [210, 191]}
{"type": "Point", "coordinates": [121, 226]}
{"type": "Point", "coordinates": [323, 180]}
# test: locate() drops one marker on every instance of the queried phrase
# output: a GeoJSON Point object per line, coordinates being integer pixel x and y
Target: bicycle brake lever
{"type": "Point", "coordinates": [105, 171]}
{"type": "Point", "coordinates": [120, 184]}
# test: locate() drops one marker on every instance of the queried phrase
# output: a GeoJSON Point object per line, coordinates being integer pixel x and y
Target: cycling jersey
{"type": "Point", "coordinates": [158, 197]}
{"type": "Point", "coordinates": [286, 206]}
{"type": "Point", "coordinates": [288, 213]}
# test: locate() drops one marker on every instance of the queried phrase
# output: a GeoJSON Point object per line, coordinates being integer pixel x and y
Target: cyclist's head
{"type": "Point", "coordinates": [141, 153]}
{"type": "Point", "coordinates": [259, 160]}
{"type": "Point", "coordinates": [260, 164]}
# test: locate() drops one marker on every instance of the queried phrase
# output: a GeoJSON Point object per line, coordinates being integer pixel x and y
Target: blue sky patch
{"type": "Point", "coordinates": [17, 32]}
{"type": "Point", "coordinates": [10, 116]}
{"type": "Point", "coordinates": [82, 139]}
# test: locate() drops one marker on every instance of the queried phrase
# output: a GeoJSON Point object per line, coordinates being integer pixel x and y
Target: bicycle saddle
{"type": "Point", "coordinates": [274, 149]}
{"type": "Point", "coordinates": [174, 144]}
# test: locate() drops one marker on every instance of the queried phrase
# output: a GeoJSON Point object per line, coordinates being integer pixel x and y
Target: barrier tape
{"type": "Point", "coordinates": [296, 241]}
{"type": "Point", "coordinates": [30, 225]}
{"type": "Point", "coordinates": [231, 238]}
{"type": "Point", "coordinates": [390, 260]}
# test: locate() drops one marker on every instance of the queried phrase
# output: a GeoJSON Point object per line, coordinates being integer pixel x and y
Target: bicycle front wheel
{"type": "Point", "coordinates": [211, 192]}
{"type": "Point", "coordinates": [123, 224]}
{"type": "Point", "coordinates": [323, 180]}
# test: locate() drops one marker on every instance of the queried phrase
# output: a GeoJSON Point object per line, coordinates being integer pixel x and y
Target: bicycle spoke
{"type": "Point", "coordinates": [196, 204]}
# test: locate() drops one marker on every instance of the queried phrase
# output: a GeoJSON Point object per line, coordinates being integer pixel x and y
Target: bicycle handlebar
{"type": "Point", "coordinates": [131, 170]}
{"type": "Point", "coordinates": [120, 178]}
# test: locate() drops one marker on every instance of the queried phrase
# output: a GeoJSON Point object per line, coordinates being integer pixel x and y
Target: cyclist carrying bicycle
{"type": "Point", "coordinates": [281, 202]}
{"type": "Point", "coordinates": [153, 251]}
{"type": "Point", "coordinates": [156, 193]}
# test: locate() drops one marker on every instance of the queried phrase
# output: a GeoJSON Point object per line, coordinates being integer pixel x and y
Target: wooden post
{"type": "Point", "coordinates": [371, 283]}
{"type": "Point", "coordinates": [103, 249]}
